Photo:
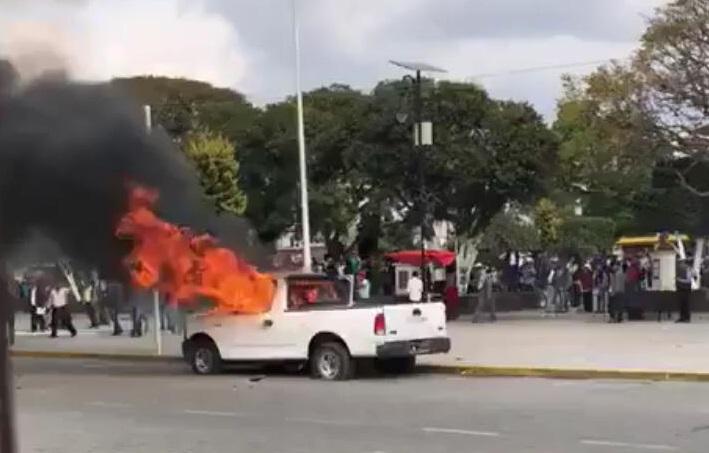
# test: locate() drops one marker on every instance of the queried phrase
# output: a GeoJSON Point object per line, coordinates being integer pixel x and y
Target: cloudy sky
{"type": "Point", "coordinates": [247, 44]}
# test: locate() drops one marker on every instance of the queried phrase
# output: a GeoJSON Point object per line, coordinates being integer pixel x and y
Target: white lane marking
{"type": "Point", "coordinates": [108, 404]}
{"type": "Point", "coordinates": [611, 443]}
{"type": "Point", "coordinates": [461, 431]}
{"type": "Point", "coordinates": [214, 413]}
{"type": "Point", "coordinates": [317, 421]}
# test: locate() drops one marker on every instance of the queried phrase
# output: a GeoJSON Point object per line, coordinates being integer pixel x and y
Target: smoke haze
{"type": "Point", "coordinates": [67, 153]}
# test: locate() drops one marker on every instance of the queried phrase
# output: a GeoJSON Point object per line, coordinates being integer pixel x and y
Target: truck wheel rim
{"type": "Point", "coordinates": [329, 364]}
{"type": "Point", "coordinates": [203, 360]}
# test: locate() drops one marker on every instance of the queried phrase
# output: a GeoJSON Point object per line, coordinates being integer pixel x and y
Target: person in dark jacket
{"type": "Point", "coordinates": [585, 280]}
{"type": "Point", "coordinates": [114, 299]}
{"type": "Point", "coordinates": [616, 304]}
{"type": "Point", "coordinates": [684, 277]}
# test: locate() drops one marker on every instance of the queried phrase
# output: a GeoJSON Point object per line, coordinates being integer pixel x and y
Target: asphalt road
{"type": "Point", "coordinates": [82, 406]}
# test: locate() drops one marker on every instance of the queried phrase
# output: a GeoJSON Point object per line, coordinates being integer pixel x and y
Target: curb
{"type": "Point", "coordinates": [458, 370]}
{"type": "Point", "coordinates": [93, 355]}
{"type": "Point", "coordinates": [564, 373]}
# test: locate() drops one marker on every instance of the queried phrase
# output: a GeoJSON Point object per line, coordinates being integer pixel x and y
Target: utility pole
{"type": "Point", "coordinates": [147, 113]}
{"type": "Point", "coordinates": [305, 215]}
{"type": "Point", "coordinates": [423, 206]}
{"type": "Point", "coordinates": [419, 142]}
{"type": "Point", "coordinates": [7, 405]}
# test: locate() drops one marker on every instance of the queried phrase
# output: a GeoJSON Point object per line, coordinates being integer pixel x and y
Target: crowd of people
{"type": "Point", "coordinates": [47, 298]}
{"type": "Point", "coordinates": [601, 284]}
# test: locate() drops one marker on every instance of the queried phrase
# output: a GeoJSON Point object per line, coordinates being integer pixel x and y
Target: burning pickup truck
{"type": "Point", "coordinates": [314, 319]}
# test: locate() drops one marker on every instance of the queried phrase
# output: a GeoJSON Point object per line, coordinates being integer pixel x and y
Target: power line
{"type": "Point", "coordinates": [541, 68]}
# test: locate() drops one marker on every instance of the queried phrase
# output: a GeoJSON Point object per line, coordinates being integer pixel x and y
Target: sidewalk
{"type": "Point", "coordinates": [579, 341]}
{"type": "Point", "coordinates": [518, 340]}
{"type": "Point", "coordinates": [93, 341]}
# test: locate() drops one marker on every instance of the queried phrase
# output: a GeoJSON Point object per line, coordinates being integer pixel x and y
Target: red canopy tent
{"type": "Point", "coordinates": [441, 258]}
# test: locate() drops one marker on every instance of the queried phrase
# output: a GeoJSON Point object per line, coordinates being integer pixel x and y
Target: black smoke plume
{"type": "Point", "coordinates": [67, 153]}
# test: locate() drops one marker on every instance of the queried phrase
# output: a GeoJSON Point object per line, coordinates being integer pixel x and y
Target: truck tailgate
{"type": "Point", "coordinates": [415, 321]}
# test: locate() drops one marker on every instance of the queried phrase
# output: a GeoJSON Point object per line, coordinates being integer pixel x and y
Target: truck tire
{"type": "Point", "coordinates": [397, 365]}
{"type": "Point", "coordinates": [331, 361]}
{"type": "Point", "coordinates": [204, 357]}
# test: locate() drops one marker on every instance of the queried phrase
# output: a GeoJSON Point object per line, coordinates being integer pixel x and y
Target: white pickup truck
{"type": "Point", "coordinates": [314, 319]}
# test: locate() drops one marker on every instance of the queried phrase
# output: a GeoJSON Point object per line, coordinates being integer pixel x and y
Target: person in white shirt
{"type": "Point", "coordinates": [38, 306]}
{"type": "Point", "coordinates": [58, 300]}
{"type": "Point", "coordinates": [415, 287]}
{"type": "Point", "coordinates": [363, 286]}
{"type": "Point", "coordinates": [486, 295]}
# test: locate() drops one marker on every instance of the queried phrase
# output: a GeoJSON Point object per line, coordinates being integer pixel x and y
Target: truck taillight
{"type": "Point", "coordinates": [380, 325]}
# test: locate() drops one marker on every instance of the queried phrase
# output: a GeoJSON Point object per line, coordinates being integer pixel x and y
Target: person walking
{"type": "Point", "coordinates": [616, 304]}
{"type": "Point", "coordinates": [685, 275]}
{"type": "Point", "coordinates": [58, 299]}
{"type": "Point", "coordinates": [39, 294]}
{"type": "Point", "coordinates": [414, 288]}
{"type": "Point", "coordinates": [486, 295]}
{"type": "Point", "coordinates": [89, 300]}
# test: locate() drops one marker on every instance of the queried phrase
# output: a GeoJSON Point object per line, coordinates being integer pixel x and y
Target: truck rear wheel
{"type": "Point", "coordinates": [331, 361]}
{"type": "Point", "coordinates": [205, 358]}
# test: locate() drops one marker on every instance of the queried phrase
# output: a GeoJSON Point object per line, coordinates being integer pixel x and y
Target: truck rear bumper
{"type": "Point", "coordinates": [414, 347]}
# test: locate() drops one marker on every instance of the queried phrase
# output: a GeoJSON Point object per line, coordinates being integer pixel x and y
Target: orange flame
{"type": "Point", "coordinates": [186, 266]}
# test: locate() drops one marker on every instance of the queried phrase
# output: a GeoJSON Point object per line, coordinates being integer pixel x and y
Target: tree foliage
{"type": "Point", "coordinates": [364, 176]}
{"type": "Point", "coordinates": [214, 157]}
{"type": "Point", "coordinates": [548, 219]}
{"type": "Point", "coordinates": [510, 230]}
{"type": "Point", "coordinates": [607, 153]}
{"type": "Point", "coordinates": [673, 64]}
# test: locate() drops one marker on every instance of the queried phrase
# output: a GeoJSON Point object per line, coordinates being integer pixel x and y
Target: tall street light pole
{"type": "Point", "coordinates": [418, 68]}
{"type": "Point", "coordinates": [305, 215]}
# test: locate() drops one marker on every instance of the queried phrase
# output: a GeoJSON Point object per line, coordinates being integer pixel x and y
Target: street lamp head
{"type": "Point", "coordinates": [417, 66]}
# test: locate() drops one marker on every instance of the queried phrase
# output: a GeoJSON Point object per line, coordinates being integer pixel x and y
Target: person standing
{"type": "Point", "coordinates": [58, 300]}
{"type": "Point", "coordinates": [451, 298]}
{"type": "Point", "coordinates": [586, 287]}
{"type": "Point", "coordinates": [602, 286]}
{"type": "Point", "coordinates": [114, 299]}
{"type": "Point", "coordinates": [486, 295]}
{"type": "Point", "coordinates": [414, 288]}
{"type": "Point", "coordinates": [685, 274]}
{"type": "Point", "coordinates": [616, 305]}
{"type": "Point", "coordinates": [363, 286]}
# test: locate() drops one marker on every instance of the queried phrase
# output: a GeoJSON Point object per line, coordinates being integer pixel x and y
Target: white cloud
{"type": "Point", "coordinates": [100, 39]}
{"type": "Point", "coordinates": [247, 44]}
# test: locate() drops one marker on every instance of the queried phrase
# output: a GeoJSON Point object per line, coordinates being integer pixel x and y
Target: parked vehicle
{"type": "Point", "coordinates": [314, 319]}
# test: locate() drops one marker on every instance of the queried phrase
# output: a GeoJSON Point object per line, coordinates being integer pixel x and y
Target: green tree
{"type": "Point", "coordinates": [673, 64]}
{"type": "Point", "coordinates": [182, 105]}
{"type": "Point", "coordinates": [486, 153]}
{"type": "Point", "coordinates": [548, 219]}
{"type": "Point", "coordinates": [585, 236]}
{"type": "Point", "coordinates": [214, 157]}
{"type": "Point", "coordinates": [268, 173]}
{"type": "Point", "coordinates": [606, 153]}
{"type": "Point", "coordinates": [510, 230]}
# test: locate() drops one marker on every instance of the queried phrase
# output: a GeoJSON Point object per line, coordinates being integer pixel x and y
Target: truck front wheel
{"type": "Point", "coordinates": [204, 358]}
{"type": "Point", "coordinates": [332, 362]}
